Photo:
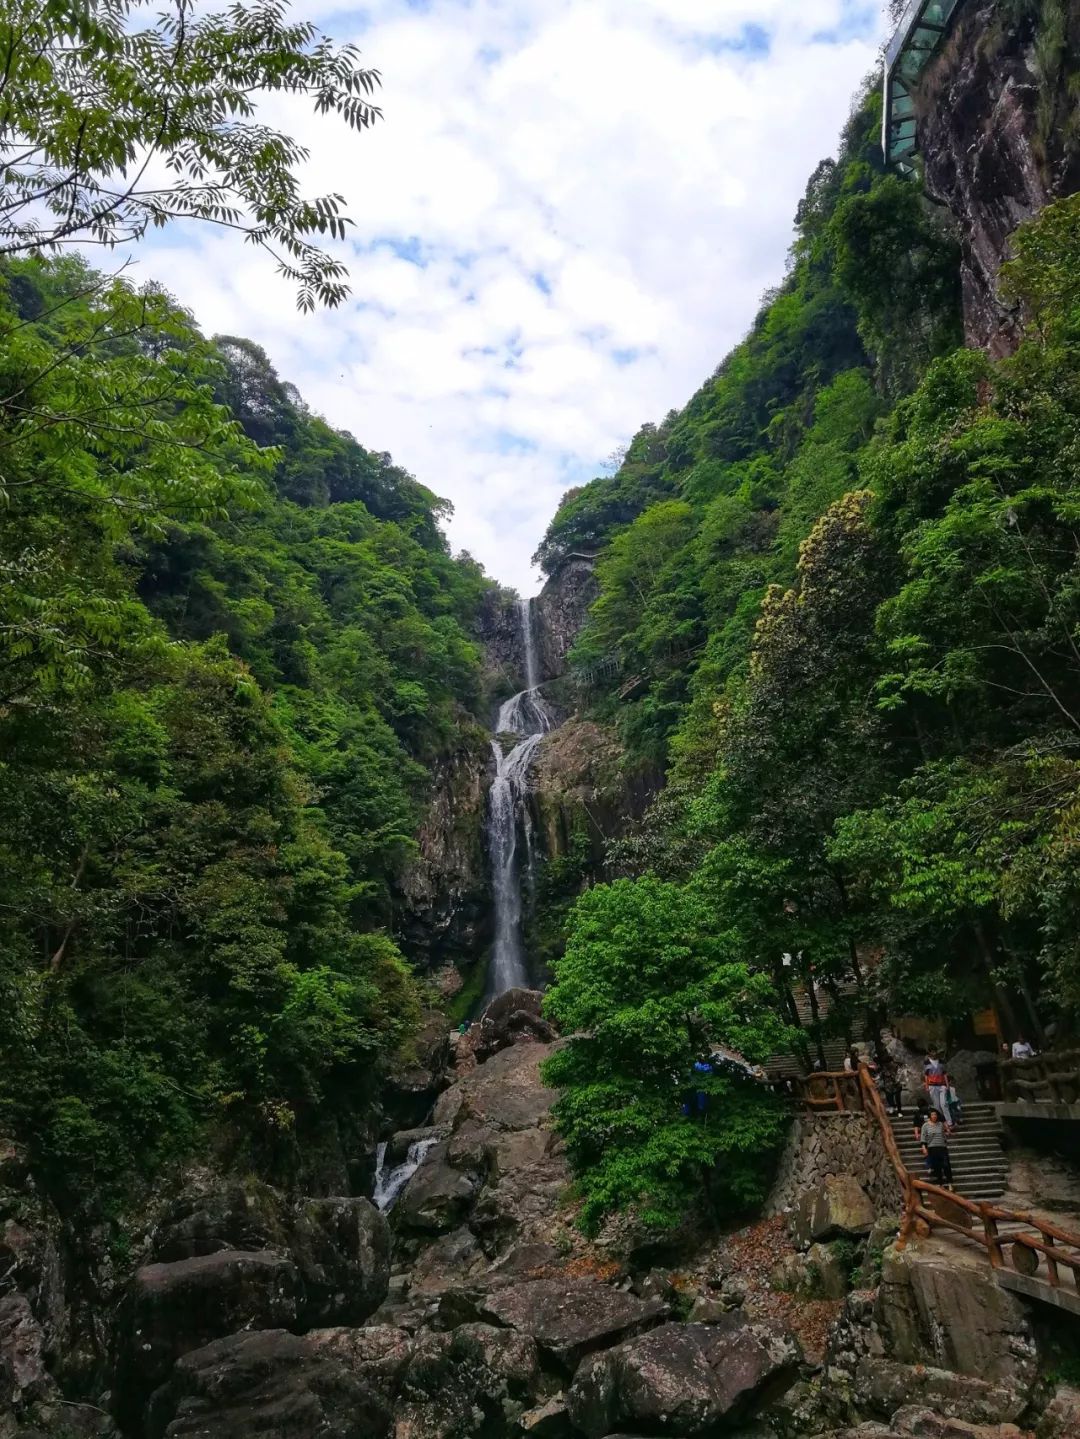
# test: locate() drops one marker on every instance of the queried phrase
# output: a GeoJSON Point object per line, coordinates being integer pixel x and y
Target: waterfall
{"type": "Point", "coordinates": [527, 716]}
{"type": "Point", "coordinates": [528, 644]}
{"type": "Point", "coordinates": [390, 1182]}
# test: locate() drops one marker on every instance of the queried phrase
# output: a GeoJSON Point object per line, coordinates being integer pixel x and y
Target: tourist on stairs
{"type": "Point", "coordinates": [938, 1088]}
{"type": "Point", "coordinates": [935, 1146]}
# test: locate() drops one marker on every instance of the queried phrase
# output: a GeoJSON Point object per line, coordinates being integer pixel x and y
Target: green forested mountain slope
{"type": "Point", "coordinates": [231, 637]}
{"type": "Point", "coordinates": [844, 588]}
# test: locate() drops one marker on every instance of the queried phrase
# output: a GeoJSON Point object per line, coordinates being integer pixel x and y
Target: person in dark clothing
{"type": "Point", "coordinates": [919, 1118]}
{"type": "Point", "coordinates": [935, 1147]}
{"type": "Point", "coordinates": [890, 1083]}
{"type": "Point", "coordinates": [701, 1098]}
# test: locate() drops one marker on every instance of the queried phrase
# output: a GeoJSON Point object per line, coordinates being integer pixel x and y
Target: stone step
{"type": "Point", "coordinates": [962, 1161]}
{"type": "Point", "coordinates": [988, 1139]}
{"type": "Point", "coordinates": [991, 1139]}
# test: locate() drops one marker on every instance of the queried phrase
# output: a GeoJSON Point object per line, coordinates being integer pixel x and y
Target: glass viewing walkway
{"type": "Point", "coordinates": [921, 31]}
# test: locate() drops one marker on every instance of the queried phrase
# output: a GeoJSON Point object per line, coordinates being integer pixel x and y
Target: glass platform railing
{"type": "Point", "coordinates": [920, 33]}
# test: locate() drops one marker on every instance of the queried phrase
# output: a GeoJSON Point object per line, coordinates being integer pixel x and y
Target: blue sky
{"type": "Point", "coordinates": [564, 221]}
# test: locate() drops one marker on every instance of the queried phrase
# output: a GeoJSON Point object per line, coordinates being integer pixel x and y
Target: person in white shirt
{"type": "Point", "coordinates": [1022, 1049]}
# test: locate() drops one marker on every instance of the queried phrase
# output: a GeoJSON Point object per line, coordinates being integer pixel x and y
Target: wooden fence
{"type": "Point", "coordinates": [1051, 1078]}
{"type": "Point", "coordinates": [1014, 1242]}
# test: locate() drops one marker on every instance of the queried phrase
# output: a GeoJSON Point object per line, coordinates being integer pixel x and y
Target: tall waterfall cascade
{"type": "Point", "coordinates": [510, 847]}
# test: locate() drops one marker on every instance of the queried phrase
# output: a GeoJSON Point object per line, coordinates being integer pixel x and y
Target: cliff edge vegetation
{"type": "Point", "coordinates": [839, 603]}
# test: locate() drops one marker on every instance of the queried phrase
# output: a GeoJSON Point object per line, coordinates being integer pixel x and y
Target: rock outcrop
{"type": "Point", "coordinates": [561, 608]}
{"type": "Point", "coordinates": [836, 1208]}
{"type": "Point", "coordinates": [444, 913]}
{"type": "Point", "coordinates": [935, 1308]}
{"type": "Point", "coordinates": [885, 1353]}
{"type": "Point", "coordinates": [351, 1384]}
{"type": "Point", "coordinates": [568, 1319]}
{"type": "Point", "coordinates": [683, 1379]}
{"type": "Point", "coordinates": [996, 148]}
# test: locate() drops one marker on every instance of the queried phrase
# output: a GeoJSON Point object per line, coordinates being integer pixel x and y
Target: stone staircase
{"type": "Point", "coordinates": [978, 1160]}
{"type": "Point", "coordinates": [791, 1066]}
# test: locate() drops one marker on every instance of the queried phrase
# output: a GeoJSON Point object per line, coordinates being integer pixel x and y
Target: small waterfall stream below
{"type": "Point", "coordinates": [527, 716]}
{"type": "Point", "coordinates": [390, 1182]}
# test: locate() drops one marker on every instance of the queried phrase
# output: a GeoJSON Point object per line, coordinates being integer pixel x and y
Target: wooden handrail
{"type": "Point", "coordinates": [1052, 1077]}
{"type": "Point", "coordinates": [844, 1091]}
{"type": "Point", "coordinates": [1044, 1245]}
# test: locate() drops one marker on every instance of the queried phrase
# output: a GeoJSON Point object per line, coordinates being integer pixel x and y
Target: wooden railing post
{"type": "Point", "coordinates": [993, 1237]}
{"type": "Point", "coordinates": [938, 1208]}
{"type": "Point", "coordinates": [1051, 1262]}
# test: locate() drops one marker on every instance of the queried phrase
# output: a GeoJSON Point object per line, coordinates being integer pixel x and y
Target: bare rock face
{"type": "Point", "coordinates": [995, 150]}
{"type": "Point", "coordinates": [915, 1423]}
{"type": "Point", "coordinates": [510, 1015]}
{"type": "Point", "coordinates": [507, 1092]}
{"type": "Point", "coordinates": [933, 1309]}
{"type": "Point", "coordinates": [341, 1248]}
{"type": "Point", "coordinates": [883, 1386]}
{"type": "Point", "coordinates": [682, 1379]}
{"type": "Point", "coordinates": [837, 1208]}
{"type": "Point", "coordinates": [417, 1081]}
{"type": "Point", "coordinates": [32, 1405]}
{"type": "Point", "coordinates": [561, 608]}
{"type": "Point", "coordinates": [569, 1318]}
{"type": "Point", "coordinates": [437, 1197]}
{"type": "Point", "coordinates": [446, 908]}
{"type": "Point", "coordinates": [1061, 1418]}
{"type": "Point", "coordinates": [270, 1383]}
{"type": "Point", "coordinates": [174, 1308]}
{"type": "Point", "coordinates": [350, 1384]}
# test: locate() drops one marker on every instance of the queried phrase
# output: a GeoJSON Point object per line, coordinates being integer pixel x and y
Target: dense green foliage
{"type": "Point", "coordinates": [645, 982]}
{"type": "Point", "coordinates": [844, 583]}
{"type": "Point", "coordinates": [229, 639]}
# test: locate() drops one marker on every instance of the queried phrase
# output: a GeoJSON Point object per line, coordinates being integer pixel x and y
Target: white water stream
{"type": "Point", "coordinates": [528, 716]}
{"type": "Point", "coordinates": [390, 1182]}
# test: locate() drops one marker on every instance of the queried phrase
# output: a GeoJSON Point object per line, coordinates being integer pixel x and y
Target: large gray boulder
{"type": "Point", "coordinates": [883, 1386]}
{"type": "Point", "coordinates": [837, 1208]}
{"type": "Point", "coordinates": [511, 1016]}
{"type": "Point", "coordinates": [350, 1384]}
{"type": "Point", "coordinates": [341, 1248]}
{"type": "Point", "coordinates": [171, 1309]}
{"type": "Point", "coordinates": [437, 1197]}
{"type": "Point", "coordinates": [507, 1092]}
{"type": "Point", "coordinates": [937, 1309]}
{"type": "Point", "coordinates": [568, 1318]}
{"type": "Point", "coordinates": [270, 1383]}
{"type": "Point", "coordinates": [682, 1379]}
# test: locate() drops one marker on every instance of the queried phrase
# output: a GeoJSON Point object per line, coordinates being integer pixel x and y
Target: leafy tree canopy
{"type": "Point", "coordinates": [114, 120]}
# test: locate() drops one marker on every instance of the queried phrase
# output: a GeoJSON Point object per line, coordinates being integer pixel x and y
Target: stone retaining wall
{"type": "Point", "coordinates": [824, 1144]}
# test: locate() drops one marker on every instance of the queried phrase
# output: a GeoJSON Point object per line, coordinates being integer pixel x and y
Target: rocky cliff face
{"type": "Point", "coordinates": [580, 785]}
{"type": "Point", "coordinates": [445, 900]}
{"type": "Point", "coordinates": [999, 140]}
{"type": "Point", "coordinates": [498, 630]}
{"type": "Point", "coordinates": [561, 608]}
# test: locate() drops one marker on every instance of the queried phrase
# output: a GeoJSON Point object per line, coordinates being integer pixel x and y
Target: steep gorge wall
{"type": "Point", "coordinates": [561, 608]}
{"type": "Point", "coordinates": [444, 909]}
{"type": "Point", "coordinates": [1000, 139]}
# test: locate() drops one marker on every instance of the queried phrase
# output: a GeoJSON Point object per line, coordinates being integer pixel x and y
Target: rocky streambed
{"type": "Point", "coordinates": [476, 1308]}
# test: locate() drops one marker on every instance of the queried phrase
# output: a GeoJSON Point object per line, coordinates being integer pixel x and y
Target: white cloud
{"type": "Point", "coordinates": [599, 191]}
